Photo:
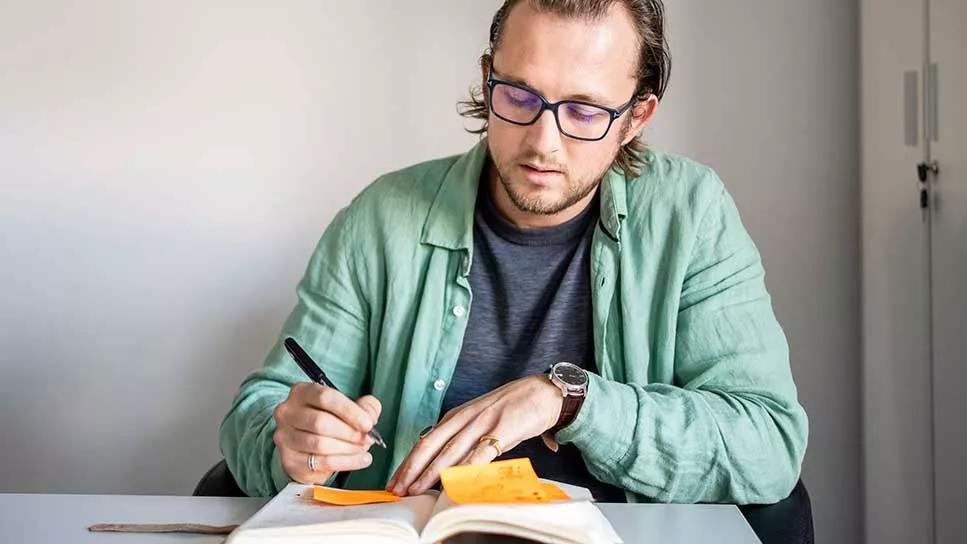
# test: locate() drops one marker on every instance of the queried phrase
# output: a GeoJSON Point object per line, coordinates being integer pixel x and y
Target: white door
{"type": "Point", "coordinates": [948, 147]}
{"type": "Point", "coordinates": [896, 334]}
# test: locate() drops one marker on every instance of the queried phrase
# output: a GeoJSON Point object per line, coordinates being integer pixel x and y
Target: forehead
{"type": "Point", "coordinates": [570, 57]}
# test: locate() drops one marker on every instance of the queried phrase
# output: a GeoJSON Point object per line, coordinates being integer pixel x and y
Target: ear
{"type": "Point", "coordinates": [484, 70]}
{"type": "Point", "coordinates": [641, 114]}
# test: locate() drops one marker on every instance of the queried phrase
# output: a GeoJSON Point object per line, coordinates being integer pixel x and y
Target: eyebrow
{"type": "Point", "coordinates": [598, 100]}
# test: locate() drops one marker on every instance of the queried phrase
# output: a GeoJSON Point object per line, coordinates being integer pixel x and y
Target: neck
{"type": "Point", "coordinates": [519, 218]}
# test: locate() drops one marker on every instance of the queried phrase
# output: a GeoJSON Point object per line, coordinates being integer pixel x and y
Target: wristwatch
{"type": "Point", "coordinates": [573, 383]}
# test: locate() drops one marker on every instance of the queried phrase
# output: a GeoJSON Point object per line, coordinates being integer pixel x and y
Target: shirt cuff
{"type": "Point", "coordinates": [606, 401]}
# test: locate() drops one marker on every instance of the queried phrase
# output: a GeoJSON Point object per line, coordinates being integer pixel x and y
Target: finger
{"type": "Point", "coordinates": [425, 451]}
{"type": "Point", "coordinates": [316, 421]}
{"type": "Point", "coordinates": [344, 463]}
{"type": "Point", "coordinates": [320, 445]}
{"type": "Point", "coordinates": [456, 449]}
{"type": "Point", "coordinates": [334, 402]}
{"type": "Point", "coordinates": [296, 465]}
{"type": "Point", "coordinates": [371, 405]}
{"type": "Point", "coordinates": [481, 453]}
{"type": "Point", "coordinates": [430, 446]}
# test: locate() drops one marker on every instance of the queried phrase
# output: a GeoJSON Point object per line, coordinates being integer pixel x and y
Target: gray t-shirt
{"type": "Point", "coordinates": [531, 308]}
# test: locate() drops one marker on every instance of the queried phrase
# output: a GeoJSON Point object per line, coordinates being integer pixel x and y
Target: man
{"type": "Point", "coordinates": [442, 295]}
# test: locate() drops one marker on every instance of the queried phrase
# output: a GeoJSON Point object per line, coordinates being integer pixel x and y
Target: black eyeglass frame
{"type": "Point", "coordinates": [614, 113]}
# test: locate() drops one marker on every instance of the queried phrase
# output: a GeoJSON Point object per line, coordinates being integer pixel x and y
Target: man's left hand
{"type": "Point", "coordinates": [516, 411]}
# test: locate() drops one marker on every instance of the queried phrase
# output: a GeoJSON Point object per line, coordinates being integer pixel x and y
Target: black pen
{"type": "Point", "coordinates": [317, 375]}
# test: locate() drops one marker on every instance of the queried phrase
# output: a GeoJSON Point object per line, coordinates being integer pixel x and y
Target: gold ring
{"type": "Point", "coordinates": [493, 442]}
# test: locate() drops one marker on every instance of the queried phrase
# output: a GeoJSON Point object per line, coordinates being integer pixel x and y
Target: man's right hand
{"type": "Point", "coordinates": [320, 421]}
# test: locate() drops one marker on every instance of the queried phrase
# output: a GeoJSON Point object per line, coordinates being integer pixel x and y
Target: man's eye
{"type": "Point", "coordinates": [521, 98]}
{"type": "Point", "coordinates": [584, 114]}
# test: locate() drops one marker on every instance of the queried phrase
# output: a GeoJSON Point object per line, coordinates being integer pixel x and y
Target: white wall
{"type": "Point", "coordinates": [166, 168]}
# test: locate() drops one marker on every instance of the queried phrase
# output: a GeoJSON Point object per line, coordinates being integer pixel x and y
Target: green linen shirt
{"type": "Point", "coordinates": [694, 402]}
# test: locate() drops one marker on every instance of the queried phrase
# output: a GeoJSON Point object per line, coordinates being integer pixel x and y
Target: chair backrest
{"type": "Point", "coordinates": [789, 521]}
{"type": "Point", "coordinates": [218, 482]}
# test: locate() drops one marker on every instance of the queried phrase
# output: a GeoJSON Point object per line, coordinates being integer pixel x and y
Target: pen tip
{"type": "Point", "coordinates": [378, 438]}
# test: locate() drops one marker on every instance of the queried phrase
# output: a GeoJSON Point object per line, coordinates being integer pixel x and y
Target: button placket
{"type": "Point", "coordinates": [455, 311]}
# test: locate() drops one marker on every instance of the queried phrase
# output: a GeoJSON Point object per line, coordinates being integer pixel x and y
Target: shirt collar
{"type": "Point", "coordinates": [614, 202]}
{"type": "Point", "coordinates": [449, 223]}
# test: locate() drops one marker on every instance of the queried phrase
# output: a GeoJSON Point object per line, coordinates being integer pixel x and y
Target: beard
{"type": "Point", "coordinates": [574, 192]}
{"type": "Point", "coordinates": [575, 188]}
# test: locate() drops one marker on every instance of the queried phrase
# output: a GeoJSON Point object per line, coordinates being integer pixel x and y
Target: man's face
{"type": "Point", "coordinates": [542, 171]}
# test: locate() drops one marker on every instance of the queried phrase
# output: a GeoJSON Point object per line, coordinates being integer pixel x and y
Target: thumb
{"type": "Point", "coordinates": [371, 405]}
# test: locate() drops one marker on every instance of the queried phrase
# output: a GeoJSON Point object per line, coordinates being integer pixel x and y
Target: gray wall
{"type": "Point", "coordinates": [168, 166]}
{"type": "Point", "coordinates": [766, 92]}
{"type": "Point", "coordinates": [165, 170]}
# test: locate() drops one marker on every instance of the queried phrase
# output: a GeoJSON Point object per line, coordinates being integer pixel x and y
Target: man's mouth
{"type": "Point", "coordinates": [542, 169]}
{"type": "Point", "coordinates": [540, 175]}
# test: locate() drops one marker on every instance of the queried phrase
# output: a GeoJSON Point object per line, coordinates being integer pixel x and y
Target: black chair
{"type": "Point", "coordinates": [218, 482]}
{"type": "Point", "coordinates": [789, 521]}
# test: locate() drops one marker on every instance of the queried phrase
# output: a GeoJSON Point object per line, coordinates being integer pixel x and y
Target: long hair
{"type": "Point", "coordinates": [653, 63]}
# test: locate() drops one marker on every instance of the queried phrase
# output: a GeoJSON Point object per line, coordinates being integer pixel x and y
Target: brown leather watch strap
{"type": "Point", "coordinates": [569, 410]}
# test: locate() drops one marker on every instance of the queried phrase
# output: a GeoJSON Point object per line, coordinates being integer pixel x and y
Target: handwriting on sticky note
{"type": "Point", "coordinates": [346, 497]}
{"type": "Point", "coordinates": [513, 480]}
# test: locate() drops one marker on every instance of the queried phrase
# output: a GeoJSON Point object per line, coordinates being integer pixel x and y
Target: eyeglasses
{"type": "Point", "coordinates": [576, 119]}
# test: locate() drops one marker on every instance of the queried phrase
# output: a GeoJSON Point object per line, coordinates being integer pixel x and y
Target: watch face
{"type": "Point", "coordinates": [570, 374]}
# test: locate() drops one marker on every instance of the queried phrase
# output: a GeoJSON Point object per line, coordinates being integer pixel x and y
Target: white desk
{"type": "Point", "coordinates": [63, 519]}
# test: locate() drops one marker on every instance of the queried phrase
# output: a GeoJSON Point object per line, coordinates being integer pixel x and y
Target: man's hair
{"type": "Point", "coordinates": [653, 63]}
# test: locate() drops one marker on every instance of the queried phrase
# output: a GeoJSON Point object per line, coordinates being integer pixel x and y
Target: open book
{"type": "Point", "coordinates": [293, 517]}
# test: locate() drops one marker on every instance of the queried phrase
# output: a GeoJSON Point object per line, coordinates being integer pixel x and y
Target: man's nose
{"type": "Point", "coordinates": [544, 136]}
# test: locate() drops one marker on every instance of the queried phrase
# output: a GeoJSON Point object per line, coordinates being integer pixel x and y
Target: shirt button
{"type": "Point", "coordinates": [438, 385]}
{"type": "Point", "coordinates": [459, 311]}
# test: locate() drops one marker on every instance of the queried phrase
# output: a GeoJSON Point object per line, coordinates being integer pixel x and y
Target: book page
{"type": "Point", "coordinates": [565, 522]}
{"type": "Point", "coordinates": [293, 517]}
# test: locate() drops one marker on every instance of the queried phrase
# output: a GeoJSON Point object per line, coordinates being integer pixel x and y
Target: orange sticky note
{"type": "Point", "coordinates": [554, 493]}
{"type": "Point", "coordinates": [348, 497]}
{"type": "Point", "coordinates": [513, 480]}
